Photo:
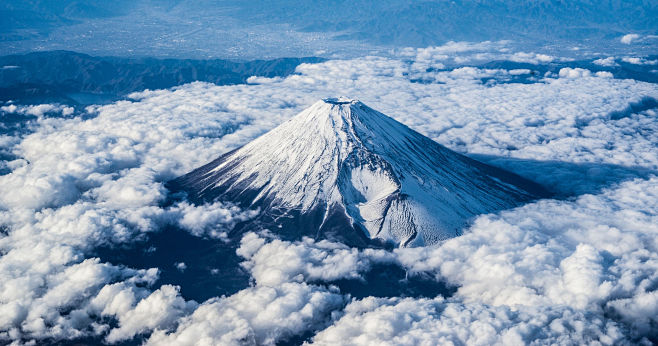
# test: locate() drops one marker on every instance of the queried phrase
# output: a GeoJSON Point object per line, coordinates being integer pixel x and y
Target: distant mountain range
{"type": "Point", "coordinates": [68, 77]}
{"type": "Point", "coordinates": [397, 23]}
{"type": "Point", "coordinates": [428, 22]}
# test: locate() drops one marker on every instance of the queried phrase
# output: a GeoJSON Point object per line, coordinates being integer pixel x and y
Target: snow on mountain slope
{"type": "Point", "coordinates": [341, 170]}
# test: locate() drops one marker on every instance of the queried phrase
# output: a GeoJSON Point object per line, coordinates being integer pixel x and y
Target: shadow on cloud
{"type": "Point", "coordinates": [568, 179]}
{"type": "Point", "coordinates": [212, 268]}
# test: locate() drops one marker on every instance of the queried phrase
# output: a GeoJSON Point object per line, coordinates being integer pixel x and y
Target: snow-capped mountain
{"type": "Point", "coordinates": [343, 171]}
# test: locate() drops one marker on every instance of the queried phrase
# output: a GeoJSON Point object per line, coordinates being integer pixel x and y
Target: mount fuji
{"type": "Point", "coordinates": [340, 170]}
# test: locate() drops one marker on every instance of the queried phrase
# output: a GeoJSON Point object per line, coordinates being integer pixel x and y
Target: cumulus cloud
{"type": "Point", "coordinates": [89, 181]}
{"type": "Point", "coordinates": [161, 309]}
{"type": "Point", "coordinates": [261, 315]}
{"type": "Point", "coordinates": [533, 58]}
{"type": "Point", "coordinates": [604, 74]}
{"type": "Point", "coordinates": [406, 321]}
{"type": "Point", "coordinates": [97, 179]}
{"type": "Point", "coordinates": [181, 266]}
{"type": "Point", "coordinates": [471, 52]}
{"type": "Point", "coordinates": [211, 220]}
{"type": "Point", "coordinates": [639, 61]}
{"type": "Point", "coordinates": [608, 62]}
{"type": "Point", "coordinates": [577, 72]}
{"type": "Point", "coordinates": [38, 110]}
{"type": "Point", "coordinates": [275, 262]}
{"type": "Point", "coordinates": [52, 299]}
{"type": "Point", "coordinates": [629, 38]}
{"type": "Point", "coordinates": [573, 73]}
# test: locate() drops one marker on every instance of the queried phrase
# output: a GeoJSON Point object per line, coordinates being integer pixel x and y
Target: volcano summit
{"type": "Point", "coordinates": [343, 171]}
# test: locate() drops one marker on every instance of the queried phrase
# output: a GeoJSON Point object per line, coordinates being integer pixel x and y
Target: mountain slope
{"type": "Point", "coordinates": [341, 170]}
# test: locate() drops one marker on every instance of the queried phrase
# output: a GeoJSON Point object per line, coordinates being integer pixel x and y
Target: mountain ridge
{"type": "Point", "coordinates": [54, 75]}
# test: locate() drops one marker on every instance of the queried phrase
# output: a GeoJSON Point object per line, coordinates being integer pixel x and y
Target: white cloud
{"type": "Point", "coordinates": [181, 266]}
{"type": "Point", "coordinates": [276, 261]}
{"type": "Point", "coordinates": [49, 298]}
{"type": "Point", "coordinates": [520, 71]}
{"type": "Point", "coordinates": [533, 58]}
{"type": "Point", "coordinates": [639, 61]}
{"type": "Point", "coordinates": [604, 74]}
{"type": "Point", "coordinates": [87, 182]}
{"type": "Point", "coordinates": [395, 321]}
{"type": "Point", "coordinates": [629, 38]}
{"type": "Point", "coordinates": [471, 52]}
{"type": "Point", "coordinates": [212, 220]}
{"type": "Point", "coordinates": [568, 72]}
{"type": "Point", "coordinates": [608, 62]}
{"type": "Point", "coordinates": [260, 315]}
{"type": "Point", "coordinates": [638, 311]}
{"type": "Point", "coordinates": [38, 110]}
{"type": "Point", "coordinates": [263, 80]}
{"type": "Point", "coordinates": [161, 309]}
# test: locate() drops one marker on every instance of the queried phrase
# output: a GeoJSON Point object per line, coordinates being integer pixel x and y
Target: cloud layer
{"type": "Point", "coordinates": [576, 270]}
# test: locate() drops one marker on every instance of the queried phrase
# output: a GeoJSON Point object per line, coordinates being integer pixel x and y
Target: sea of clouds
{"type": "Point", "coordinates": [581, 268]}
